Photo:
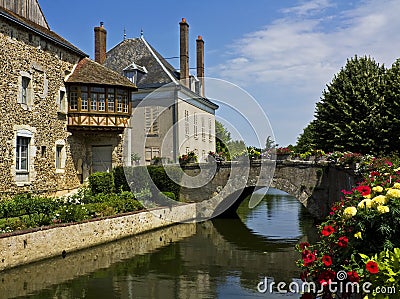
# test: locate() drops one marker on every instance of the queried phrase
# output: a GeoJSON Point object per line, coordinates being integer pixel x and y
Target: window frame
{"type": "Point", "coordinates": [18, 154]}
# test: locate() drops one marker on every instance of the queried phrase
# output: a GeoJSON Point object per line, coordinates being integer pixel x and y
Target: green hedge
{"type": "Point", "coordinates": [153, 177]}
{"type": "Point", "coordinates": [101, 182]}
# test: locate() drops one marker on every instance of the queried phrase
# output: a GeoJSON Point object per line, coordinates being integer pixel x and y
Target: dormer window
{"type": "Point", "coordinates": [134, 72]}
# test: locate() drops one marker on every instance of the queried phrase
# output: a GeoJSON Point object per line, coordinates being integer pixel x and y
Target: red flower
{"type": "Point", "coordinates": [353, 276]}
{"type": "Point", "coordinates": [308, 257]}
{"type": "Point", "coordinates": [372, 267]}
{"type": "Point", "coordinates": [326, 277]}
{"type": "Point", "coordinates": [327, 230]}
{"type": "Point", "coordinates": [303, 245]}
{"type": "Point", "coordinates": [346, 192]}
{"type": "Point", "coordinates": [364, 190]}
{"type": "Point", "coordinates": [327, 260]}
{"type": "Point", "coordinates": [343, 242]}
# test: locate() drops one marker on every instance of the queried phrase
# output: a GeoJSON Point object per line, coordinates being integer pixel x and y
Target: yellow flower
{"type": "Point", "coordinates": [380, 200]}
{"type": "Point", "coordinates": [365, 203]}
{"type": "Point", "coordinates": [394, 193]}
{"type": "Point", "coordinates": [349, 212]}
{"type": "Point", "coordinates": [382, 209]}
{"type": "Point", "coordinates": [358, 235]}
{"type": "Point", "coordinates": [377, 189]}
{"type": "Point", "coordinates": [396, 186]}
{"type": "Point", "coordinates": [367, 196]}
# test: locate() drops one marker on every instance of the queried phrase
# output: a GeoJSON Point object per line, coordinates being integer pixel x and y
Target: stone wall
{"type": "Point", "coordinates": [20, 249]}
{"type": "Point", "coordinates": [46, 64]}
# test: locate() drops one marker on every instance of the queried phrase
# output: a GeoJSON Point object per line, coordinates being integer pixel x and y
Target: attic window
{"type": "Point", "coordinates": [134, 72]}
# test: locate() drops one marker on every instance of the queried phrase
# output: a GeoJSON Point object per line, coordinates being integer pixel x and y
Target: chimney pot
{"type": "Point", "coordinates": [184, 52]}
{"type": "Point", "coordinates": [100, 46]}
{"type": "Point", "coordinates": [200, 62]}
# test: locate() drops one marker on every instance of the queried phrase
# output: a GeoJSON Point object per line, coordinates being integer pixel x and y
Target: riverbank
{"type": "Point", "coordinates": [26, 247]}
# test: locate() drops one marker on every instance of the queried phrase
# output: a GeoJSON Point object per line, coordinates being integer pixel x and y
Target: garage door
{"type": "Point", "coordinates": [101, 158]}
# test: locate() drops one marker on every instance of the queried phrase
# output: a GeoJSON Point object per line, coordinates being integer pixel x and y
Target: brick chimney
{"type": "Point", "coordinates": [100, 47]}
{"type": "Point", "coordinates": [184, 52]}
{"type": "Point", "coordinates": [200, 62]}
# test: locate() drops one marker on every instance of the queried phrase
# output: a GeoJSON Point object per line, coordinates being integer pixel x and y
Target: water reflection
{"type": "Point", "coordinates": [223, 258]}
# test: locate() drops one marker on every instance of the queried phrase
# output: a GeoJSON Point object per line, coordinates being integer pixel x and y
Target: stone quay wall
{"type": "Point", "coordinates": [23, 248]}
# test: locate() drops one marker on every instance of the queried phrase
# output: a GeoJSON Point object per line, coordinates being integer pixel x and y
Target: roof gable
{"type": "Point", "coordinates": [39, 30]}
{"type": "Point", "coordinates": [27, 9]}
{"type": "Point", "coordinates": [90, 72]}
{"type": "Point", "coordinates": [137, 51]}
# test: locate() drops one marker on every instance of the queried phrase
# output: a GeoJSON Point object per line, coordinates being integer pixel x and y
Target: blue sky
{"type": "Point", "coordinates": [282, 52]}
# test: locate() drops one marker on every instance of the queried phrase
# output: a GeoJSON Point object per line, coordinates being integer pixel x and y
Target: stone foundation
{"type": "Point", "coordinates": [24, 248]}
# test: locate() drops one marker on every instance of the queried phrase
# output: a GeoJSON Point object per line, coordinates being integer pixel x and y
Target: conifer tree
{"type": "Point", "coordinates": [348, 117]}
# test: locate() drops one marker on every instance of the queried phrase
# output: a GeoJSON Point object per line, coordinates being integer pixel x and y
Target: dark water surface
{"type": "Point", "coordinates": [223, 258]}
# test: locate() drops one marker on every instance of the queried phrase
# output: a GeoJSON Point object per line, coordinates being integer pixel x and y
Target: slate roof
{"type": "Point", "coordinates": [90, 72]}
{"type": "Point", "coordinates": [138, 51]}
{"type": "Point", "coordinates": [39, 30]}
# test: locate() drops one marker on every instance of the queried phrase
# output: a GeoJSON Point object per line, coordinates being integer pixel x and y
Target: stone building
{"type": "Point", "coordinates": [49, 141]}
{"type": "Point", "coordinates": [64, 116]}
{"type": "Point", "coordinates": [170, 121]}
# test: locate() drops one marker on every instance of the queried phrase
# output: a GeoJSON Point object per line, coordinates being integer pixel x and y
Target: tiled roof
{"type": "Point", "coordinates": [136, 50]}
{"type": "Point", "coordinates": [39, 30]}
{"type": "Point", "coordinates": [90, 72]}
{"type": "Point", "coordinates": [159, 71]}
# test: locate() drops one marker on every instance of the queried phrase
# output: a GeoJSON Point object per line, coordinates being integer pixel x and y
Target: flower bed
{"type": "Point", "coordinates": [360, 239]}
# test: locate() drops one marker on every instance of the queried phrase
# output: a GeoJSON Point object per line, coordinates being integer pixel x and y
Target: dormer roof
{"type": "Point", "coordinates": [90, 72]}
{"type": "Point", "coordinates": [136, 52]}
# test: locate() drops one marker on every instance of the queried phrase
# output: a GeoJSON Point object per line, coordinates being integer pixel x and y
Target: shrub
{"type": "Point", "coordinates": [101, 182]}
{"type": "Point", "coordinates": [71, 213]}
{"type": "Point", "coordinates": [120, 182]}
{"type": "Point", "coordinates": [163, 182]}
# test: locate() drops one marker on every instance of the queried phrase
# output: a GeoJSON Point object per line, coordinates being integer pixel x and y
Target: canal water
{"type": "Point", "coordinates": [222, 258]}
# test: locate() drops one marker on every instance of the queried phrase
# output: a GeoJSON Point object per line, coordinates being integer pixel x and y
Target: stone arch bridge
{"type": "Point", "coordinates": [317, 185]}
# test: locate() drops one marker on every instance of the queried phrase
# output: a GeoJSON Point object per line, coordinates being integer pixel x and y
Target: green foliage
{"type": "Point", "coordinates": [348, 117]}
{"type": "Point", "coordinates": [27, 211]}
{"type": "Point", "coordinates": [222, 138]}
{"type": "Point", "coordinates": [162, 180]}
{"type": "Point", "coordinates": [120, 182]}
{"type": "Point", "coordinates": [389, 272]}
{"type": "Point", "coordinates": [306, 140]}
{"type": "Point", "coordinates": [101, 182]}
{"type": "Point", "coordinates": [154, 177]}
{"type": "Point", "coordinates": [71, 213]}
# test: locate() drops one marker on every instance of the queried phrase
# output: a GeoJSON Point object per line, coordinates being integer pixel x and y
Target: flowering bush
{"type": "Point", "coordinates": [360, 236]}
{"type": "Point", "coordinates": [190, 157]}
{"type": "Point", "coordinates": [283, 151]}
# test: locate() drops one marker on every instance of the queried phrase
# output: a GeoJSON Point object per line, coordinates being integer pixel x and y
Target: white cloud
{"type": "Point", "coordinates": [309, 7]}
{"type": "Point", "coordinates": [289, 61]}
{"type": "Point", "coordinates": [302, 48]}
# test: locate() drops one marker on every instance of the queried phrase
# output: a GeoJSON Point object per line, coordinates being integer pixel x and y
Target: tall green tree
{"type": "Point", "coordinates": [222, 139]}
{"type": "Point", "coordinates": [306, 140]}
{"type": "Point", "coordinates": [348, 117]}
{"type": "Point", "coordinates": [391, 108]}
